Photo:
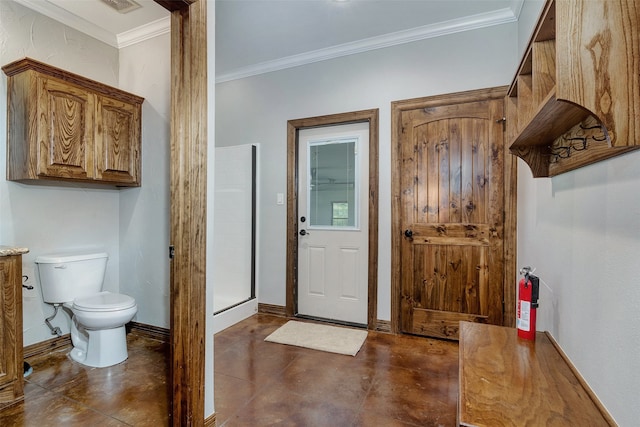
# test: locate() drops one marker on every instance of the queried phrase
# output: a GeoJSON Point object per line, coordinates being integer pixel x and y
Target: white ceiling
{"type": "Point", "coordinates": [100, 21]}
{"type": "Point", "coordinates": [257, 36]}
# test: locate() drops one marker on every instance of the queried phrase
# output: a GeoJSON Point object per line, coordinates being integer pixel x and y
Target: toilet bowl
{"type": "Point", "coordinates": [98, 317]}
{"type": "Point", "coordinates": [98, 330]}
{"type": "Point", "coordinates": [105, 310]}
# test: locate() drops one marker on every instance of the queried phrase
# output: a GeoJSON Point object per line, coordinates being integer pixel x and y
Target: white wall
{"type": "Point", "coordinates": [527, 20]}
{"type": "Point", "coordinates": [144, 211]}
{"type": "Point", "coordinates": [47, 219]}
{"type": "Point", "coordinates": [581, 230]}
{"type": "Point", "coordinates": [256, 109]}
{"type": "Point", "coordinates": [132, 224]}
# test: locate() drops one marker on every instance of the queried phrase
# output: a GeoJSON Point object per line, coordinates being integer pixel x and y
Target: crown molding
{"type": "Point", "coordinates": [127, 38]}
{"type": "Point", "coordinates": [516, 6]}
{"type": "Point", "coordinates": [59, 14]}
{"type": "Point", "coordinates": [144, 32]}
{"type": "Point", "coordinates": [468, 23]}
{"type": "Point", "coordinates": [163, 26]}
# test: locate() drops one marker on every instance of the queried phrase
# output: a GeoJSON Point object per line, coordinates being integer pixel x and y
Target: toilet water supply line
{"type": "Point", "coordinates": [54, 329]}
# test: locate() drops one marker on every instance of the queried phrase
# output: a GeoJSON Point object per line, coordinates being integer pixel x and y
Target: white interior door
{"type": "Point", "coordinates": [333, 185]}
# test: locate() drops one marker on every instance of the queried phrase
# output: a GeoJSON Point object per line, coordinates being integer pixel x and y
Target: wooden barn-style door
{"type": "Point", "coordinates": [449, 212]}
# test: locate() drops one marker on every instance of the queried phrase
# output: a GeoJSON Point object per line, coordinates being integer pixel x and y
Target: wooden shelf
{"type": "Point", "coordinates": [508, 381]}
{"type": "Point", "coordinates": [578, 68]}
{"type": "Point", "coordinates": [552, 119]}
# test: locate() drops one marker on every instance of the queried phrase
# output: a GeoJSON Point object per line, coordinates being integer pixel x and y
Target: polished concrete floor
{"type": "Point", "coordinates": [392, 381]}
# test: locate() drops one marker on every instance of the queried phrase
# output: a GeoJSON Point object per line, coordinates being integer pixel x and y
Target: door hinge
{"type": "Point", "coordinates": [172, 251]}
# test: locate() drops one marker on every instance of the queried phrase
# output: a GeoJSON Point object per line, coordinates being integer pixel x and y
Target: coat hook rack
{"type": "Point", "coordinates": [575, 140]}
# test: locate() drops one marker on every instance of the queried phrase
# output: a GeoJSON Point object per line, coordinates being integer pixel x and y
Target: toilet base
{"type": "Point", "coordinates": [100, 348]}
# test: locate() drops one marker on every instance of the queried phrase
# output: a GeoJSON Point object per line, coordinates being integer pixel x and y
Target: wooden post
{"type": "Point", "coordinates": [188, 208]}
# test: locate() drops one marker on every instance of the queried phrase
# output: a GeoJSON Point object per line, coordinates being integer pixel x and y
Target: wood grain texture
{"type": "Point", "coordinates": [210, 421]}
{"type": "Point", "coordinates": [64, 127]}
{"type": "Point", "coordinates": [598, 61]}
{"type": "Point", "coordinates": [582, 145]}
{"type": "Point", "coordinates": [507, 381]}
{"type": "Point", "coordinates": [277, 310]}
{"type": "Point", "coordinates": [49, 346]}
{"type": "Point", "coordinates": [22, 65]}
{"type": "Point", "coordinates": [537, 158]}
{"type": "Point", "coordinates": [448, 261]}
{"type": "Point", "coordinates": [510, 225]}
{"type": "Point", "coordinates": [116, 158]}
{"type": "Point", "coordinates": [21, 125]}
{"type": "Point", "coordinates": [404, 199]}
{"type": "Point", "coordinates": [176, 5]}
{"type": "Point", "coordinates": [582, 61]}
{"type": "Point", "coordinates": [544, 69]}
{"type": "Point", "coordinates": [293, 127]}
{"type": "Point", "coordinates": [526, 107]}
{"type": "Point", "coordinates": [11, 353]}
{"type": "Point", "coordinates": [149, 331]}
{"type": "Point", "coordinates": [291, 302]}
{"type": "Point", "coordinates": [188, 212]}
{"type": "Point", "coordinates": [551, 119]}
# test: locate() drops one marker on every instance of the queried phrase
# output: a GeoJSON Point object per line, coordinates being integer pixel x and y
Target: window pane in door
{"type": "Point", "coordinates": [333, 183]}
{"type": "Point", "coordinates": [340, 213]}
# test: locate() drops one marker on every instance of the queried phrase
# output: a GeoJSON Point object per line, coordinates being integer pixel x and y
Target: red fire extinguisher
{"type": "Point", "coordinates": [528, 291]}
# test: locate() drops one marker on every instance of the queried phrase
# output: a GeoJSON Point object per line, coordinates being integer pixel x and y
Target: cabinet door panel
{"type": "Point", "coordinates": [11, 384]}
{"type": "Point", "coordinates": [117, 128]}
{"type": "Point", "coordinates": [64, 127]}
{"type": "Point", "coordinates": [65, 120]}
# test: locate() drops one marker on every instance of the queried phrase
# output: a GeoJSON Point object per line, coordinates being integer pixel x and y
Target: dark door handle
{"type": "Point", "coordinates": [304, 233]}
{"type": "Point", "coordinates": [408, 233]}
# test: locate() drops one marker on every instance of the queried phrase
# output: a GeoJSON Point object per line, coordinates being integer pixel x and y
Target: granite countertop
{"type": "Point", "coordinates": [12, 250]}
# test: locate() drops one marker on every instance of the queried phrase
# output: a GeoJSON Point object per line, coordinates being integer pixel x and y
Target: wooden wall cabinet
{"type": "Point", "coordinates": [11, 362]}
{"type": "Point", "coordinates": [61, 126]}
{"type": "Point", "coordinates": [575, 98]}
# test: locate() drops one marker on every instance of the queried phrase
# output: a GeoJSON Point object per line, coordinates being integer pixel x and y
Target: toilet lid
{"type": "Point", "coordinates": [104, 301]}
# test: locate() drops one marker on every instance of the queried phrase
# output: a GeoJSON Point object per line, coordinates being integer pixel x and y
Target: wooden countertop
{"type": "Point", "coordinates": [12, 250]}
{"type": "Point", "coordinates": [508, 381]}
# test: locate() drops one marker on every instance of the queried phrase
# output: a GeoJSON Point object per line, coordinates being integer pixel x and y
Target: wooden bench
{"type": "Point", "coordinates": [508, 381]}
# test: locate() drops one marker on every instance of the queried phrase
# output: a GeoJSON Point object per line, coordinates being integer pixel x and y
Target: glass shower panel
{"type": "Point", "coordinates": [234, 226]}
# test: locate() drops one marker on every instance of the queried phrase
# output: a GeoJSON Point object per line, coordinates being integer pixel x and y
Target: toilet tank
{"type": "Point", "coordinates": [64, 277]}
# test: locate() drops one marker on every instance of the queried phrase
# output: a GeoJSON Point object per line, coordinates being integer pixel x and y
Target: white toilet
{"type": "Point", "coordinates": [97, 326]}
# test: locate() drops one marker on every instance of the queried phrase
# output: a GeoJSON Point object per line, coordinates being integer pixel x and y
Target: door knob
{"type": "Point", "coordinates": [304, 233]}
{"type": "Point", "coordinates": [408, 233]}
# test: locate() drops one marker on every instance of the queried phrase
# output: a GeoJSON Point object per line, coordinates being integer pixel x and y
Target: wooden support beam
{"type": "Point", "coordinates": [188, 208]}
